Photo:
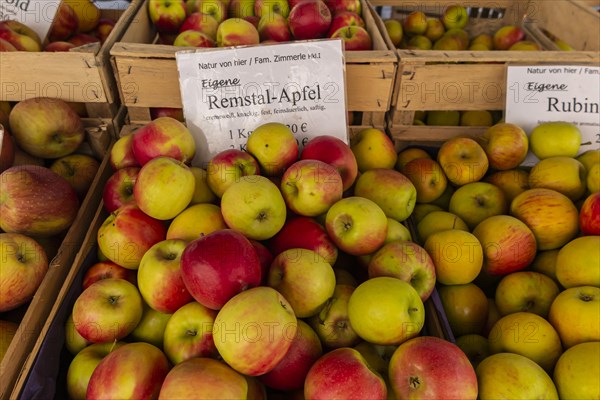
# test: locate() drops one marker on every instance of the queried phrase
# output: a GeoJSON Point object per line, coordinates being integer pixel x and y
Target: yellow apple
{"type": "Point", "coordinates": [457, 255]}
{"type": "Point", "coordinates": [202, 192]}
{"type": "Point", "coordinates": [593, 179]}
{"type": "Point", "coordinates": [575, 315]}
{"type": "Point", "coordinates": [577, 371]}
{"type": "Point", "coordinates": [394, 31]}
{"type": "Point", "coordinates": [463, 160]}
{"type": "Point", "coordinates": [545, 263]}
{"type": "Point", "coordinates": [443, 118]}
{"type": "Point", "coordinates": [373, 149]}
{"type": "Point", "coordinates": [410, 154]}
{"type": "Point", "coordinates": [578, 262]}
{"type": "Point", "coordinates": [512, 182]}
{"type": "Point", "coordinates": [589, 158]}
{"type": "Point", "coordinates": [552, 139]}
{"type": "Point", "coordinates": [566, 175]}
{"type": "Point", "coordinates": [196, 221]}
{"type": "Point", "coordinates": [526, 291]}
{"type": "Point", "coordinates": [476, 118]}
{"type": "Point", "coordinates": [466, 308]}
{"type": "Point", "coordinates": [274, 147]}
{"type": "Point", "coordinates": [422, 209]}
{"type": "Point", "coordinates": [438, 221]}
{"type": "Point", "coordinates": [484, 40]}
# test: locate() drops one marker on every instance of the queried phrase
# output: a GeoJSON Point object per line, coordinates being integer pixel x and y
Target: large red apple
{"type": "Point", "coordinates": [338, 6]}
{"type": "Point", "coordinates": [127, 234]}
{"type": "Point", "coordinates": [344, 18]}
{"type": "Point", "coordinates": [36, 201]}
{"type": "Point", "coordinates": [309, 19]}
{"type": "Point", "coordinates": [265, 257]}
{"type": "Point", "coordinates": [105, 270]}
{"type": "Point", "coordinates": [218, 266]}
{"type": "Point", "coordinates": [335, 152]}
{"type": "Point", "coordinates": [428, 367]}
{"type": "Point", "coordinates": [164, 136]}
{"type": "Point", "coordinates": [118, 190]}
{"type": "Point", "coordinates": [589, 215]}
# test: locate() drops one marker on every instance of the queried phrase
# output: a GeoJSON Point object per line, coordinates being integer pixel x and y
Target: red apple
{"type": "Point", "coordinates": [6, 46]}
{"type": "Point", "coordinates": [218, 266]}
{"type": "Point", "coordinates": [265, 259]}
{"type": "Point", "coordinates": [237, 32]}
{"type": "Point", "coordinates": [20, 36]}
{"type": "Point", "coordinates": [506, 36]}
{"type": "Point", "coordinates": [106, 270]}
{"type": "Point", "coordinates": [121, 154]}
{"type": "Point", "coordinates": [134, 370]}
{"type": "Point", "coordinates": [127, 234]}
{"type": "Point", "coordinates": [175, 113]}
{"type": "Point", "coordinates": [167, 15]}
{"type": "Point", "coordinates": [589, 215]}
{"type": "Point", "coordinates": [291, 371]}
{"type": "Point", "coordinates": [65, 23]}
{"type": "Point", "coordinates": [7, 150]}
{"type": "Point", "coordinates": [163, 137]}
{"type": "Point", "coordinates": [270, 8]}
{"type": "Point", "coordinates": [36, 201]}
{"type": "Point", "coordinates": [309, 19]}
{"type": "Point", "coordinates": [428, 367]}
{"type": "Point", "coordinates": [82, 39]}
{"type": "Point", "coordinates": [192, 38]}
{"type": "Point", "coordinates": [59, 46]}
{"type": "Point", "coordinates": [204, 23]}
{"type": "Point", "coordinates": [343, 374]}
{"type": "Point", "coordinates": [274, 27]}
{"type": "Point", "coordinates": [345, 18]}
{"type": "Point", "coordinates": [338, 6]}
{"type": "Point", "coordinates": [254, 20]}
{"type": "Point", "coordinates": [227, 167]}
{"type": "Point", "coordinates": [104, 28]}
{"type": "Point", "coordinates": [118, 190]}
{"type": "Point", "coordinates": [335, 152]}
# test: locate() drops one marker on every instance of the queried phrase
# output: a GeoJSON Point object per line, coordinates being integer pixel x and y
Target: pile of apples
{"type": "Point", "coordinates": [517, 255]}
{"type": "Point", "coordinates": [456, 118]}
{"type": "Point", "coordinates": [40, 194]}
{"type": "Point", "coordinates": [271, 271]}
{"type": "Point", "coordinates": [77, 23]}
{"type": "Point", "coordinates": [419, 32]}
{"type": "Point", "coordinates": [223, 23]}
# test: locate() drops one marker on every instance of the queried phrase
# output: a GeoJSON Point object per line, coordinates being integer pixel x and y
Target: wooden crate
{"type": "Point", "coordinates": [32, 316]}
{"type": "Point", "coordinates": [476, 80]}
{"type": "Point", "coordinates": [147, 72]}
{"type": "Point", "coordinates": [81, 75]}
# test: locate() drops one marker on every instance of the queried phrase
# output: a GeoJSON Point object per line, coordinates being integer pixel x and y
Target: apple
{"type": "Point", "coordinates": [332, 323]}
{"type": "Point", "coordinates": [88, 14]}
{"type": "Point", "coordinates": [304, 233]}
{"type": "Point", "coordinates": [289, 374]}
{"type": "Point", "coordinates": [154, 188]}
{"type": "Point", "coordinates": [475, 347]}
{"type": "Point", "coordinates": [526, 291]}
{"type": "Point", "coordinates": [270, 8]}
{"type": "Point", "coordinates": [415, 23]}
{"type": "Point", "coordinates": [127, 233]}
{"type": "Point", "coordinates": [428, 178]}
{"type": "Point", "coordinates": [59, 46]}
{"type": "Point", "coordinates": [355, 38]}
{"type": "Point", "coordinates": [576, 371]}
{"type": "Point", "coordinates": [83, 365]}
{"type": "Point", "coordinates": [394, 30]}
{"type": "Point", "coordinates": [121, 153]}
{"type": "Point", "coordinates": [46, 128]}
{"type": "Point", "coordinates": [477, 118]}
{"type": "Point", "coordinates": [463, 160]}
{"type": "Point", "coordinates": [430, 367]}
{"type": "Point", "coordinates": [196, 221]}
{"type": "Point", "coordinates": [20, 36]}
{"type": "Point", "coordinates": [492, 317]}
{"type": "Point", "coordinates": [506, 146]}
{"type": "Point", "coordinates": [466, 308]}
{"type": "Point", "coordinates": [513, 376]}
{"type": "Point", "coordinates": [175, 113]}
{"type": "Point", "coordinates": [23, 266]}
{"type": "Point", "coordinates": [274, 147]}
{"type": "Point", "coordinates": [577, 262]}
{"type": "Point", "coordinates": [574, 315]}
{"type": "Point", "coordinates": [304, 278]}
{"type": "Point", "coordinates": [151, 327]}
{"type": "Point", "coordinates": [107, 310]}
{"type": "Point", "coordinates": [455, 17]}
{"type": "Point", "coordinates": [309, 19]}
{"type": "Point", "coordinates": [593, 179]}
{"type": "Point", "coordinates": [274, 27]}
{"type": "Point", "coordinates": [265, 258]}
{"type": "Point", "coordinates": [254, 330]}
{"type": "Point", "coordinates": [6, 45]}
{"type": "Point", "coordinates": [236, 32]}
{"type": "Point", "coordinates": [335, 152]}
{"type": "Point", "coordinates": [506, 36]}
{"type": "Point", "coordinates": [74, 342]}
{"type": "Point", "coordinates": [476, 201]}
{"type": "Point", "coordinates": [438, 221]}
{"type": "Point", "coordinates": [263, 213]}
{"type": "Point", "coordinates": [202, 192]}
{"type": "Point", "coordinates": [423, 209]}
{"type": "Point", "coordinates": [545, 263]}
{"type": "Point", "coordinates": [104, 28]}
{"type": "Point", "coordinates": [188, 333]}
{"type": "Point", "coordinates": [373, 149]}
{"type": "Point", "coordinates": [82, 39]}
{"type": "Point", "coordinates": [588, 158]}
{"type": "Point", "coordinates": [525, 45]}
{"type": "Point", "coordinates": [508, 244]}
{"type": "Point", "coordinates": [134, 370]}
{"type": "Point", "coordinates": [589, 215]}
{"type": "Point", "coordinates": [406, 261]}
{"type": "Point", "coordinates": [36, 201]}
{"type": "Point", "coordinates": [311, 187]}
{"type": "Point", "coordinates": [330, 375]}
{"type": "Point", "coordinates": [482, 41]}
{"type": "Point", "coordinates": [566, 175]}
{"type": "Point", "coordinates": [167, 15]}
{"type": "Point", "coordinates": [512, 182]}
{"type": "Point", "coordinates": [204, 23]}
{"type": "Point", "coordinates": [419, 42]}
{"type": "Point", "coordinates": [435, 29]}
{"type": "Point", "coordinates": [193, 38]}
{"type": "Point", "coordinates": [386, 311]}
{"type": "Point", "coordinates": [227, 167]}
{"type": "Point", "coordinates": [344, 19]}
{"type": "Point", "coordinates": [105, 270]}
{"type": "Point", "coordinates": [118, 189]}
{"type": "Point", "coordinates": [378, 358]}
{"type": "Point", "coordinates": [529, 335]}
{"type": "Point", "coordinates": [164, 136]}
{"type": "Point", "coordinates": [356, 225]}
{"type": "Point", "coordinates": [555, 139]}
{"type": "Point", "coordinates": [339, 6]}
{"type": "Point", "coordinates": [449, 43]}
{"type": "Point", "coordinates": [7, 149]}
{"type": "Point", "coordinates": [78, 169]}
{"type": "Point", "coordinates": [218, 266]}
{"type": "Point", "coordinates": [241, 8]}
{"type": "Point", "coordinates": [65, 23]}
{"type": "Point", "coordinates": [203, 378]}
{"type": "Point", "coordinates": [550, 215]}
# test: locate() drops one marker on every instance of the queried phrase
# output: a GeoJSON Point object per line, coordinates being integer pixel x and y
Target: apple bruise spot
{"type": "Point", "coordinates": [414, 382]}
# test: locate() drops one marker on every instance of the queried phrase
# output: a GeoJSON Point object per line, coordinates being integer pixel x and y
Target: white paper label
{"type": "Point", "coordinates": [36, 14]}
{"type": "Point", "coordinates": [229, 92]}
{"type": "Point", "coordinates": [537, 94]}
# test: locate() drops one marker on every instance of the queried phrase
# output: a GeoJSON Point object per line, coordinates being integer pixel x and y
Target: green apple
{"type": "Point", "coordinates": [254, 206]}
{"type": "Point", "coordinates": [274, 147]}
{"type": "Point", "coordinates": [589, 158]}
{"type": "Point", "coordinates": [396, 231]}
{"type": "Point", "coordinates": [476, 347]}
{"type": "Point", "coordinates": [455, 17]}
{"type": "Point", "coordinates": [484, 40]}
{"type": "Point", "coordinates": [525, 45]}
{"type": "Point", "coordinates": [449, 43]}
{"type": "Point", "coordinates": [437, 221]}
{"type": "Point", "coordinates": [422, 209]}
{"type": "Point", "coordinates": [443, 118]}
{"type": "Point", "coordinates": [435, 29]}
{"type": "Point", "coordinates": [304, 278]}
{"type": "Point", "coordinates": [394, 31]}
{"type": "Point", "coordinates": [74, 342]}
{"type": "Point", "coordinates": [566, 175]}
{"type": "Point", "coordinates": [386, 311]}
{"type": "Point", "coordinates": [593, 179]}
{"type": "Point", "coordinates": [377, 356]}
{"type": "Point", "coordinates": [415, 23]}
{"type": "Point", "coordinates": [476, 118]}
{"type": "Point", "coordinates": [151, 328]}
{"type": "Point", "coordinates": [202, 192]}
{"type": "Point", "coordinates": [419, 42]}
{"type": "Point", "coordinates": [526, 291]}
{"type": "Point", "coordinates": [477, 201]}
{"type": "Point", "coordinates": [577, 262]}
{"type": "Point", "coordinates": [553, 139]}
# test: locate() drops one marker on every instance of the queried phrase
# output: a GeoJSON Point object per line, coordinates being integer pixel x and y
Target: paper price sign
{"type": "Point", "coordinates": [36, 14]}
{"type": "Point", "coordinates": [229, 92]}
{"type": "Point", "coordinates": [544, 93]}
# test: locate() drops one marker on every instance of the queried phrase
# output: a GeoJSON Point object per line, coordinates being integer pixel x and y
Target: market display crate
{"type": "Point", "coordinates": [431, 80]}
{"type": "Point", "coordinates": [31, 317]}
{"type": "Point", "coordinates": [81, 75]}
{"type": "Point", "coordinates": [147, 72]}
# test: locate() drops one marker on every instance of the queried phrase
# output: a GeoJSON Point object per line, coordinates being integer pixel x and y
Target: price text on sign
{"type": "Point", "coordinates": [544, 93]}
{"type": "Point", "coordinates": [36, 14]}
{"type": "Point", "coordinates": [227, 93]}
